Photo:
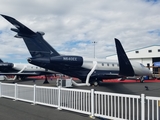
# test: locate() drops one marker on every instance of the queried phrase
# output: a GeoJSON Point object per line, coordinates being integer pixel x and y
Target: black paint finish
{"type": "Point", "coordinates": [6, 67]}
{"type": "Point", "coordinates": [75, 61]}
{"type": "Point", "coordinates": [125, 67]}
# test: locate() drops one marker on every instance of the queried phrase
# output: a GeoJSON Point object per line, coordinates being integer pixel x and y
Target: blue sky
{"type": "Point", "coordinates": [79, 44]}
{"type": "Point", "coordinates": [157, 32]}
{"type": "Point", "coordinates": [72, 26]}
{"type": "Point", "coordinates": [152, 0]}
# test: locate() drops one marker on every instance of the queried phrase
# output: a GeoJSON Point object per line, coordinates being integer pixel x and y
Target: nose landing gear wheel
{"type": "Point", "coordinates": [142, 79]}
{"type": "Point", "coordinates": [95, 83]}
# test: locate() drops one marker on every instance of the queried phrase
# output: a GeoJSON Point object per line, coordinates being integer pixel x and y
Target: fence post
{"type": "Point", "coordinates": [142, 107]}
{"type": "Point", "coordinates": [0, 89]}
{"type": "Point", "coordinates": [59, 97]}
{"type": "Point", "coordinates": [92, 104]}
{"type": "Point", "coordinates": [15, 94]}
{"type": "Point", "coordinates": [34, 95]}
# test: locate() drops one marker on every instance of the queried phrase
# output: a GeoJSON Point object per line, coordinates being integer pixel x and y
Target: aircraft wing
{"type": "Point", "coordinates": [21, 74]}
{"type": "Point", "coordinates": [109, 75]}
{"type": "Point", "coordinates": [21, 29]}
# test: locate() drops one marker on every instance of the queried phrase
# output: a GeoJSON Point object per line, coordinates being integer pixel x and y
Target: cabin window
{"type": "Point", "coordinates": [102, 64]}
{"type": "Point", "coordinates": [32, 67]}
{"type": "Point", "coordinates": [149, 51]}
{"type": "Point", "coordinates": [158, 50]}
{"type": "Point", "coordinates": [112, 64]}
{"type": "Point", "coordinates": [136, 51]}
{"type": "Point", "coordinates": [107, 64]}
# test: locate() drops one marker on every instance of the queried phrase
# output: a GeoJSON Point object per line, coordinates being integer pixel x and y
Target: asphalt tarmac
{"type": "Point", "coordinates": [17, 110]}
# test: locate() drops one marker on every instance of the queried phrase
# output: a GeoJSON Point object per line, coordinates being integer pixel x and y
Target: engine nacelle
{"type": "Point", "coordinates": [5, 67]}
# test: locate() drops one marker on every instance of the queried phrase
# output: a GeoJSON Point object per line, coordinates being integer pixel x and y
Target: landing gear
{"type": "Point", "coordinates": [95, 83]}
{"type": "Point", "coordinates": [142, 79]}
{"type": "Point", "coordinates": [19, 78]}
{"type": "Point", "coordinates": [46, 80]}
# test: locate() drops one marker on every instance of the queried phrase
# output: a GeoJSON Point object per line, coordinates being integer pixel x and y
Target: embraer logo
{"type": "Point", "coordinates": [70, 58]}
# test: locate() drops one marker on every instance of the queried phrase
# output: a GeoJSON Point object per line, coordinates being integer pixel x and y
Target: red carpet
{"type": "Point", "coordinates": [130, 81]}
{"type": "Point", "coordinates": [107, 80]}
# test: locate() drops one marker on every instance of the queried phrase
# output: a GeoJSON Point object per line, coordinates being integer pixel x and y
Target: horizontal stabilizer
{"type": "Point", "coordinates": [22, 29]}
{"type": "Point", "coordinates": [125, 67]}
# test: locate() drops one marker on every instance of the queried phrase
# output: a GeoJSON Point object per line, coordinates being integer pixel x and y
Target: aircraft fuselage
{"type": "Point", "coordinates": [77, 66]}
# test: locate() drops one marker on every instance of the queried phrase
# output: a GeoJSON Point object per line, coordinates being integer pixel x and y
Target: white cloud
{"type": "Point", "coordinates": [84, 20]}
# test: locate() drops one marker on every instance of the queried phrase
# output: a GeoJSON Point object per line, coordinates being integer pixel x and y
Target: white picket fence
{"type": "Point", "coordinates": [94, 103]}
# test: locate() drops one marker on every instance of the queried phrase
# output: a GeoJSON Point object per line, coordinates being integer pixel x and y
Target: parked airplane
{"type": "Point", "coordinates": [22, 70]}
{"type": "Point", "coordinates": [88, 70]}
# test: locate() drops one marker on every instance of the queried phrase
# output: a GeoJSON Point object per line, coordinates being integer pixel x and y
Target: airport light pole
{"type": "Point", "coordinates": [94, 48]}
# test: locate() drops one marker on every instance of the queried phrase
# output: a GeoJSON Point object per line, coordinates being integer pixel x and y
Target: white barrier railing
{"type": "Point", "coordinates": [24, 92]}
{"type": "Point", "coordinates": [152, 108]}
{"type": "Point", "coordinates": [94, 103]}
{"type": "Point", "coordinates": [8, 90]}
{"type": "Point", "coordinates": [121, 106]}
{"type": "Point", "coordinates": [74, 99]}
{"type": "Point", "coordinates": [46, 96]}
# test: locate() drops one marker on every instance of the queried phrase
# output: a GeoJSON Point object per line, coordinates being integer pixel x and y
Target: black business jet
{"type": "Point", "coordinates": [87, 70]}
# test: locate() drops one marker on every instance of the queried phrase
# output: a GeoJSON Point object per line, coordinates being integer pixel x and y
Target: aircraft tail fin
{"type": "Point", "coordinates": [1, 61]}
{"type": "Point", "coordinates": [125, 67]}
{"type": "Point", "coordinates": [34, 41]}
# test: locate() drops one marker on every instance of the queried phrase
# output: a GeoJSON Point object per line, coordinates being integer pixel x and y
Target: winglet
{"type": "Point", "coordinates": [125, 67]}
